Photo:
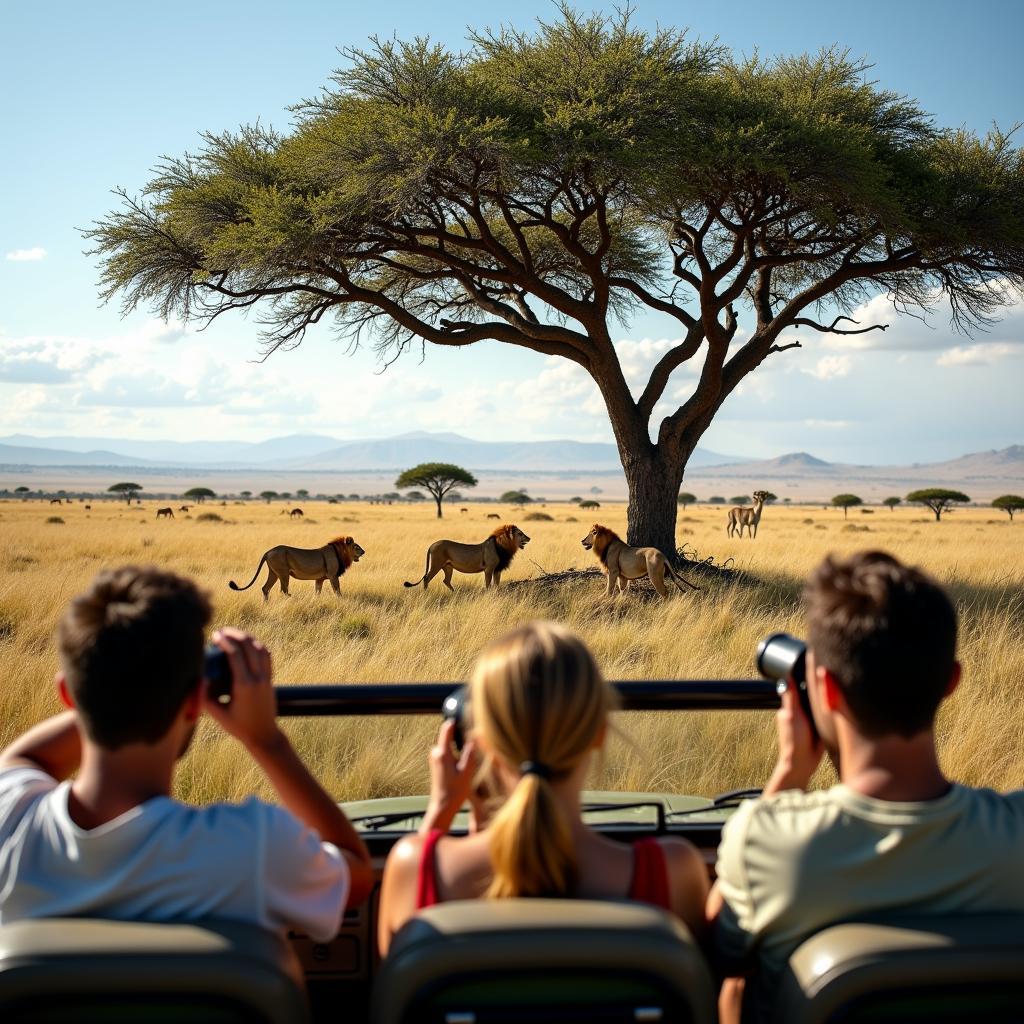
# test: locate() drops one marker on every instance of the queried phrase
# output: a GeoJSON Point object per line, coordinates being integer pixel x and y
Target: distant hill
{"type": "Point", "coordinates": [320, 452]}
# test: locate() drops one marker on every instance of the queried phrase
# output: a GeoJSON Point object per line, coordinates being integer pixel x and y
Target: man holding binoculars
{"type": "Point", "coordinates": [895, 834]}
{"type": "Point", "coordinates": [113, 843]}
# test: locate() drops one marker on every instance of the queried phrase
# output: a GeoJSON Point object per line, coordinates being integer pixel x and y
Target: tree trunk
{"type": "Point", "coordinates": [653, 483]}
{"type": "Point", "coordinates": [438, 500]}
{"type": "Point", "coordinates": [846, 512]}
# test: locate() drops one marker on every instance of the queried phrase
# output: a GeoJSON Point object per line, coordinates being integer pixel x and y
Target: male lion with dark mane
{"type": "Point", "coordinates": [491, 557]}
{"type": "Point", "coordinates": [623, 563]}
{"type": "Point", "coordinates": [326, 563]}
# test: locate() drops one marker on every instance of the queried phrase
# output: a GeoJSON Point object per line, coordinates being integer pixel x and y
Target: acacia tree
{"type": "Point", "coordinates": [1009, 503]}
{"type": "Point", "coordinates": [200, 494]}
{"type": "Point", "coordinates": [127, 488]}
{"type": "Point", "coordinates": [892, 502]}
{"type": "Point", "coordinates": [846, 502]}
{"type": "Point", "coordinates": [436, 477]}
{"type": "Point", "coordinates": [453, 199]}
{"type": "Point", "coordinates": [685, 498]}
{"type": "Point", "coordinates": [938, 499]}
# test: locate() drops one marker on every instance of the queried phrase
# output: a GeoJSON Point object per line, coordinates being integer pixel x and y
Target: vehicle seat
{"type": "Point", "coordinates": [540, 960]}
{"type": "Point", "coordinates": [83, 970]}
{"type": "Point", "coordinates": [940, 968]}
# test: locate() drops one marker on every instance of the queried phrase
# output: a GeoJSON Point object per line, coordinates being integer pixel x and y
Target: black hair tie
{"type": "Point", "coordinates": [535, 768]}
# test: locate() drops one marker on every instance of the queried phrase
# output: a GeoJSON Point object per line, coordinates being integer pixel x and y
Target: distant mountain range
{"type": "Point", "coordinates": [319, 452]}
{"type": "Point", "coordinates": [982, 474]}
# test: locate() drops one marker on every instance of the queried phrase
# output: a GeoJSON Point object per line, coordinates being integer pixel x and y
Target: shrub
{"type": "Point", "coordinates": [54, 519]}
{"type": "Point", "coordinates": [209, 517]}
{"type": "Point", "coordinates": [535, 517]}
{"type": "Point", "coordinates": [590, 504]}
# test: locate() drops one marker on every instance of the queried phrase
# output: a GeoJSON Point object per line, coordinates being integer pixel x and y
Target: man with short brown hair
{"type": "Point", "coordinates": [895, 834]}
{"type": "Point", "coordinates": [113, 843]}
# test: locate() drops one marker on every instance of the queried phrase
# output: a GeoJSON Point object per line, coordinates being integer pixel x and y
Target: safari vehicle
{"type": "Point", "coordinates": [513, 960]}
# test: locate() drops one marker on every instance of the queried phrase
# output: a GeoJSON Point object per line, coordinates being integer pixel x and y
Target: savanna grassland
{"type": "Point", "coordinates": [380, 632]}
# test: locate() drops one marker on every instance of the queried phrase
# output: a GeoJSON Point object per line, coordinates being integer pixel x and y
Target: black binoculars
{"type": "Point", "coordinates": [217, 672]}
{"type": "Point", "coordinates": [783, 657]}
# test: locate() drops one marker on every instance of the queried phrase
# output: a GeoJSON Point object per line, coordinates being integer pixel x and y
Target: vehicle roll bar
{"type": "Point", "coordinates": [348, 699]}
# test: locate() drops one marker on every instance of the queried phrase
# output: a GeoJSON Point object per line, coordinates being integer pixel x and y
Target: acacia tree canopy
{"type": "Point", "coordinates": [846, 502]}
{"type": "Point", "coordinates": [1009, 503]}
{"type": "Point", "coordinates": [436, 477]}
{"type": "Point", "coordinates": [127, 488]}
{"type": "Point", "coordinates": [938, 499]}
{"type": "Point", "coordinates": [428, 196]}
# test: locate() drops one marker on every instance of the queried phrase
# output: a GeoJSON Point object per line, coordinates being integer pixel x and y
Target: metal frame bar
{"type": "Point", "coordinates": [349, 699]}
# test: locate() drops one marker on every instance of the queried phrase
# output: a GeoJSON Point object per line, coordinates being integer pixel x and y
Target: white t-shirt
{"type": "Point", "coordinates": [164, 860]}
{"type": "Point", "coordinates": [794, 863]}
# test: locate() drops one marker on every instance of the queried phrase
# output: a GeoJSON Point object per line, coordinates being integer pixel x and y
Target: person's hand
{"type": "Point", "coordinates": [251, 715]}
{"type": "Point", "coordinates": [800, 750]}
{"type": "Point", "coordinates": [451, 779]}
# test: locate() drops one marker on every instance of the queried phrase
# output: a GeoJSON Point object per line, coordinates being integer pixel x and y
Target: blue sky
{"type": "Point", "coordinates": [92, 94]}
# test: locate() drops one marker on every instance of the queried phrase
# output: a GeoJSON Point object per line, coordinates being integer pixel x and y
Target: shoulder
{"type": "Point", "coordinates": [405, 856]}
{"type": "Point", "coordinates": [682, 858]}
{"type": "Point", "coordinates": [21, 785]}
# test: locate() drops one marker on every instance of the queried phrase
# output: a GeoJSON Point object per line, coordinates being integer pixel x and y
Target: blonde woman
{"type": "Point", "coordinates": [540, 711]}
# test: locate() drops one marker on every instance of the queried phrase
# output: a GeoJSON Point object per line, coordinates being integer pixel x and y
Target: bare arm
{"type": "Point", "coordinates": [398, 893]}
{"type": "Point", "coordinates": [54, 746]}
{"type": "Point", "coordinates": [251, 718]}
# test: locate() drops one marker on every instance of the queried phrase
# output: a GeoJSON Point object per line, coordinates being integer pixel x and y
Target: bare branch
{"type": "Point", "coordinates": [832, 329]}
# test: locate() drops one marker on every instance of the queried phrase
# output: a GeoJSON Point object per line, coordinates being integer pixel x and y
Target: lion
{"type": "Point", "coordinates": [327, 563]}
{"type": "Point", "coordinates": [623, 563]}
{"type": "Point", "coordinates": [491, 557]}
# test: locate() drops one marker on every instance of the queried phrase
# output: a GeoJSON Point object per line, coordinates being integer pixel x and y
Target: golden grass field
{"type": "Point", "coordinates": [380, 632]}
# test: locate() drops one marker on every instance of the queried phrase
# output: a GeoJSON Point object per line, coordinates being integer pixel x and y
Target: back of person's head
{"type": "Point", "coordinates": [540, 705]}
{"type": "Point", "coordinates": [887, 633]}
{"type": "Point", "coordinates": [131, 649]}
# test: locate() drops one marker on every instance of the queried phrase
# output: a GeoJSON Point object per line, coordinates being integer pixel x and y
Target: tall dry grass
{"type": "Point", "coordinates": [380, 632]}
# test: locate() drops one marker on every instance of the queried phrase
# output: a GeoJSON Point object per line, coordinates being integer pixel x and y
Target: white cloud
{"type": "Point", "coordinates": [979, 354]}
{"type": "Point", "coordinates": [46, 360]}
{"type": "Point", "coordinates": [32, 255]}
{"type": "Point", "coordinates": [830, 367]}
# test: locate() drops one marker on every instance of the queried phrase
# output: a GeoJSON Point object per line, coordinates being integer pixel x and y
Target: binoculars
{"type": "Point", "coordinates": [217, 673]}
{"type": "Point", "coordinates": [784, 658]}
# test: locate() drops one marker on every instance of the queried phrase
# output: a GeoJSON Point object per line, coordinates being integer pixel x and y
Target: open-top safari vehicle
{"type": "Point", "coordinates": [512, 960]}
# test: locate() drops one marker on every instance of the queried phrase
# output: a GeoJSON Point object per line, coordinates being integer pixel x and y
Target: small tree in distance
{"type": "Point", "coordinates": [246, 494]}
{"type": "Point", "coordinates": [686, 498]}
{"type": "Point", "coordinates": [938, 499]}
{"type": "Point", "coordinates": [199, 494]}
{"type": "Point", "coordinates": [716, 500]}
{"type": "Point", "coordinates": [515, 498]}
{"type": "Point", "coordinates": [743, 499]}
{"type": "Point", "coordinates": [1009, 503]}
{"type": "Point", "coordinates": [846, 502]}
{"type": "Point", "coordinates": [590, 504]}
{"type": "Point", "coordinates": [892, 502]}
{"type": "Point", "coordinates": [436, 477]}
{"type": "Point", "coordinates": [126, 488]}
{"type": "Point", "coordinates": [268, 495]}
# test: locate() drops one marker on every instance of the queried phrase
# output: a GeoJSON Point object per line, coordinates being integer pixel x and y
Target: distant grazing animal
{"type": "Point", "coordinates": [463, 509]}
{"type": "Point", "coordinates": [744, 515]}
{"type": "Point", "coordinates": [56, 501]}
{"type": "Point", "coordinates": [184, 508]}
{"type": "Point", "coordinates": [327, 563]}
{"type": "Point", "coordinates": [162, 512]}
{"type": "Point", "coordinates": [491, 557]}
{"type": "Point", "coordinates": [296, 512]}
{"type": "Point", "coordinates": [88, 508]}
{"type": "Point", "coordinates": [622, 562]}
{"type": "Point", "coordinates": [493, 515]}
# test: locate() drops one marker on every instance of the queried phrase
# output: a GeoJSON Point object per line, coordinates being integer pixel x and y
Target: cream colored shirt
{"type": "Point", "coordinates": [793, 863]}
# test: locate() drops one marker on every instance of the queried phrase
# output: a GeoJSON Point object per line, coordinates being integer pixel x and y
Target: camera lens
{"type": "Point", "coordinates": [782, 656]}
{"type": "Point", "coordinates": [217, 672]}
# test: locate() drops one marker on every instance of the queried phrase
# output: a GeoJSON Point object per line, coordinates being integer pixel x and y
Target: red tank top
{"type": "Point", "coordinates": [650, 882]}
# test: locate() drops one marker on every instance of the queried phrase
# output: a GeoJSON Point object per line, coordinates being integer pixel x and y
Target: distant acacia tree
{"type": "Point", "coordinates": [127, 488]}
{"type": "Point", "coordinates": [416, 496]}
{"type": "Point", "coordinates": [436, 477]}
{"type": "Point", "coordinates": [769, 497]}
{"type": "Point", "coordinates": [199, 494]}
{"type": "Point", "coordinates": [938, 499]}
{"type": "Point", "coordinates": [1009, 503]}
{"type": "Point", "coordinates": [575, 499]}
{"type": "Point", "coordinates": [453, 198]}
{"type": "Point", "coordinates": [846, 502]}
{"type": "Point", "coordinates": [892, 502]}
{"type": "Point", "coordinates": [246, 494]}
{"type": "Point", "coordinates": [21, 490]}
{"type": "Point", "coordinates": [686, 498]}
{"type": "Point", "coordinates": [515, 498]}
{"type": "Point", "coordinates": [716, 500]}
{"type": "Point", "coordinates": [743, 499]}
{"type": "Point", "coordinates": [302, 493]}
{"type": "Point", "coordinates": [590, 504]}
{"type": "Point", "coordinates": [268, 495]}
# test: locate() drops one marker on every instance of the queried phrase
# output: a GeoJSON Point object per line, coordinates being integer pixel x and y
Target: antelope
{"type": "Point", "coordinates": [741, 515]}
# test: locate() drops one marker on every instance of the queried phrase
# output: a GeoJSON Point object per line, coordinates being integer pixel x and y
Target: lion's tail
{"type": "Point", "coordinates": [676, 578]}
{"type": "Point", "coordinates": [426, 569]}
{"type": "Point", "coordinates": [234, 586]}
